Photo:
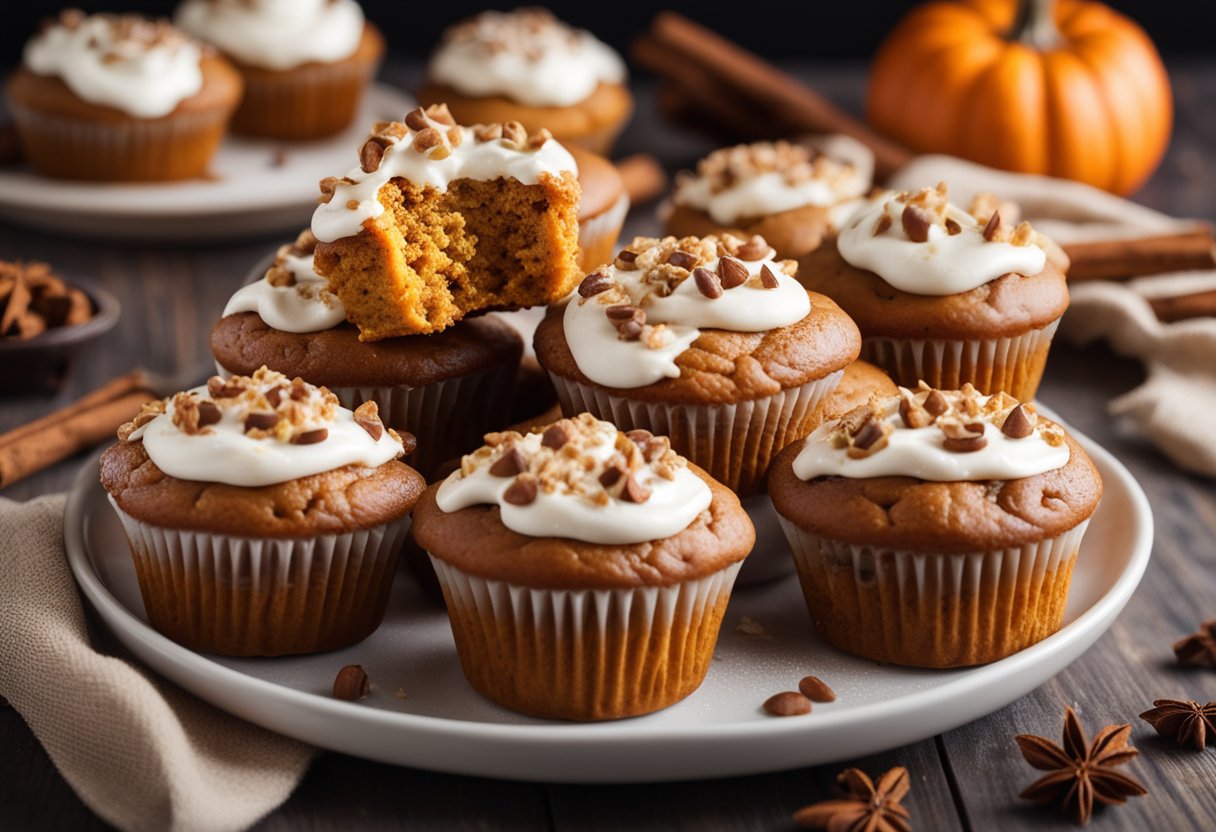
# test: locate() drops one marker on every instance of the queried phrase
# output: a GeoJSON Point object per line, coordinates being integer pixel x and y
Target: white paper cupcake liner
{"type": "Point", "coordinates": [597, 236]}
{"type": "Point", "coordinates": [934, 609]}
{"type": "Point", "coordinates": [584, 654]}
{"type": "Point", "coordinates": [734, 443]}
{"type": "Point", "coordinates": [243, 596]}
{"type": "Point", "coordinates": [1014, 365]}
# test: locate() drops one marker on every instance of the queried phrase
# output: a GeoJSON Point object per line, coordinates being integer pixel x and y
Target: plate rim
{"type": "Point", "coordinates": [1091, 624]}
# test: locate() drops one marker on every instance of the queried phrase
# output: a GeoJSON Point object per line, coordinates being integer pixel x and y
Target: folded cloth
{"type": "Point", "coordinates": [1176, 406]}
{"type": "Point", "coordinates": [139, 751]}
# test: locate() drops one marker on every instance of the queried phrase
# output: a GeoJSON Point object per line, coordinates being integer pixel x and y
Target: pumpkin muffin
{"type": "Point", "coordinates": [290, 322]}
{"type": "Point", "coordinates": [861, 382]}
{"type": "Point", "coordinates": [305, 64]}
{"type": "Point", "coordinates": [527, 66]}
{"type": "Point", "coordinates": [264, 518]}
{"type": "Point", "coordinates": [439, 221]}
{"type": "Point", "coordinates": [585, 570]}
{"type": "Point", "coordinates": [709, 341]}
{"type": "Point", "coordinates": [784, 192]}
{"type": "Point", "coordinates": [935, 528]}
{"type": "Point", "coordinates": [120, 98]}
{"type": "Point", "coordinates": [944, 295]}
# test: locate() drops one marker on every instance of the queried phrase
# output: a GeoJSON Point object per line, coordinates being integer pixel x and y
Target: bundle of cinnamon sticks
{"type": "Point", "coordinates": [712, 84]}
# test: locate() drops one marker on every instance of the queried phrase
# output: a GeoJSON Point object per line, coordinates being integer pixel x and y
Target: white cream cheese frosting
{"type": "Point", "coordinates": [142, 67]}
{"type": "Point", "coordinates": [276, 34]}
{"type": "Point", "coordinates": [581, 479]}
{"type": "Point", "coordinates": [628, 322]}
{"type": "Point", "coordinates": [525, 55]}
{"type": "Point", "coordinates": [430, 149]}
{"type": "Point", "coordinates": [291, 297]}
{"type": "Point", "coordinates": [921, 244]}
{"type": "Point", "coordinates": [765, 178]}
{"type": "Point", "coordinates": [259, 430]}
{"type": "Point", "coordinates": [941, 436]}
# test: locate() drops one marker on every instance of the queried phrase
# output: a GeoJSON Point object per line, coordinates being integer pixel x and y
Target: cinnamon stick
{"type": "Point", "coordinates": [746, 76]}
{"type": "Point", "coordinates": [1122, 259]}
{"type": "Point", "coordinates": [644, 177]}
{"type": "Point", "coordinates": [83, 424]}
{"type": "Point", "coordinates": [1184, 307]}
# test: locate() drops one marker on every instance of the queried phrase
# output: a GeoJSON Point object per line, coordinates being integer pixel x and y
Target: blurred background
{"type": "Point", "coordinates": [810, 30]}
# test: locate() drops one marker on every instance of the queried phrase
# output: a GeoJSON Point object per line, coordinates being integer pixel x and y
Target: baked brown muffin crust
{"type": "Point", "coordinates": [725, 367]}
{"type": "Point", "coordinates": [475, 541]}
{"type": "Point", "coordinates": [333, 502]}
{"type": "Point", "coordinates": [860, 381]}
{"type": "Point", "coordinates": [1008, 306]}
{"type": "Point", "coordinates": [337, 358]}
{"type": "Point", "coordinates": [953, 517]}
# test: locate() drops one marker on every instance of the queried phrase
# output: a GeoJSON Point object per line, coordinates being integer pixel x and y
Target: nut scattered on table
{"type": "Point", "coordinates": [787, 703]}
{"type": "Point", "coordinates": [33, 300]}
{"type": "Point", "coordinates": [816, 690]}
{"type": "Point", "coordinates": [351, 683]}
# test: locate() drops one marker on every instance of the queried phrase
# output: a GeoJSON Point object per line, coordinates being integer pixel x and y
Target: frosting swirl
{"type": "Point", "coordinates": [920, 243]}
{"type": "Point", "coordinates": [291, 297]}
{"type": "Point", "coordinates": [942, 436]}
{"type": "Point", "coordinates": [276, 34]}
{"type": "Point", "coordinates": [430, 149]}
{"type": "Point", "coordinates": [142, 67]}
{"type": "Point", "coordinates": [629, 321]}
{"type": "Point", "coordinates": [260, 430]}
{"type": "Point", "coordinates": [763, 178]}
{"type": "Point", "coordinates": [582, 479]}
{"type": "Point", "coordinates": [526, 55]}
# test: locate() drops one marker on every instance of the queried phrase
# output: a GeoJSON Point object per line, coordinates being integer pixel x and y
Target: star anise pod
{"type": "Point", "coordinates": [865, 807]}
{"type": "Point", "coordinates": [1183, 720]}
{"type": "Point", "coordinates": [1198, 648]}
{"type": "Point", "coordinates": [1079, 773]}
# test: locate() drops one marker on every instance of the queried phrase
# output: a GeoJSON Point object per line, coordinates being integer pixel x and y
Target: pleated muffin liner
{"type": "Point", "coordinates": [448, 418]}
{"type": "Point", "coordinates": [588, 654]}
{"type": "Point", "coordinates": [248, 596]}
{"type": "Point", "coordinates": [1014, 365]}
{"type": "Point", "coordinates": [934, 609]}
{"type": "Point", "coordinates": [311, 101]}
{"type": "Point", "coordinates": [734, 443]}
{"type": "Point", "coordinates": [177, 147]}
{"type": "Point", "coordinates": [597, 236]}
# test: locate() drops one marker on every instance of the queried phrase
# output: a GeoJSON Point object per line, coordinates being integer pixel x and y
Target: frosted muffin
{"type": "Point", "coordinates": [439, 221]}
{"type": "Point", "coordinates": [586, 571]}
{"type": "Point", "coordinates": [290, 322]}
{"type": "Point", "coordinates": [264, 518]}
{"type": "Point", "coordinates": [527, 66]}
{"type": "Point", "coordinates": [936, 528]}
{"type": "Point", "coordinates": [120, 98]}
{"type": "Point", "coordinates": [787, 193]}
{"type": "Point", "coordinates": [709, 341]}
{"type": "Point", "coordinates": [305, 63]}
{"type": "Point", "coordinates": [945, 295]}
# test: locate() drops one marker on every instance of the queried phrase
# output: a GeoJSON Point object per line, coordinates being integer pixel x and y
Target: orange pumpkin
{"type": "Point", "coordinates": [1068, 88]}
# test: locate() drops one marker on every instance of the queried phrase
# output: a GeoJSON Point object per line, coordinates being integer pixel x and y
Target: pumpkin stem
{"type": "Point", "coordinates": [1035, 24]}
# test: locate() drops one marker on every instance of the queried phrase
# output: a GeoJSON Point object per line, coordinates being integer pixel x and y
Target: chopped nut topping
{"type": "Point", "coordinates": [372, 152]}
{"type": "Point", "coordinates": [952, 227]}
{"type": "Point", "coordinates": [1018, 424]}
{"type": "Point", "coordinates": [754, 249]}
{"type": "Point", "coordinates": [512, 462]}
{"type": "Point", "coordinates": [767, 279]}
{"type": "Point", "coordinates": [707, 282]}
{"type": "Point", "coordinates": [993, 226]}
{"type": "Point", "coordinates": [530, 32]}
{"type": "Point", "coordinates": [522, 490]}
{"type": "Point", "coordinates": [884, 222]}
{"type": "Point", "coordinates": [367, 416]}
{"type": "Point", "coordinates": [33, 300]}
{"type": "Point", "coordinates": [147, 412]}
{"type": "Point", "coordinates": [916, 222]}
{"type": "Point", "coordinates": [797, 164]}
{"type": "Point", "coordinates": [731, 272]}
{"type": "Point", "coordinates": [682, 259]}
{"type": "Point", "coordinates": [594, 283]}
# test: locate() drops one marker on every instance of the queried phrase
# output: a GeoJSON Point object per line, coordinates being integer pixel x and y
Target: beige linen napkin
{"type": "Point", "coordinates": [1176, 405]}
{"type": "Point", "coordinates": [139, 751]}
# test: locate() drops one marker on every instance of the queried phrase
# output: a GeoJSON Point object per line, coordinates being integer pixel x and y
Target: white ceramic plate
{"type": "Point", "coordinates": [259, 186]}
{"type": "Point", "coordinates": [441, 724]}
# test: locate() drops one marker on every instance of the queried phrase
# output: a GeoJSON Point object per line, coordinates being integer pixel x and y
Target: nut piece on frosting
{"type": "Point", "coordinates": [571, 459]}
{"type": "Point", "coordinates": [796, 164]}
{"type": "Point", "coordinates": [918, 212]}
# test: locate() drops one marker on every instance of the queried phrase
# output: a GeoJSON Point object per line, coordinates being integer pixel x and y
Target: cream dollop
{"type": "Point", "coordinates": [944, 264]}
{"type": "Point", "coordinates": [673, 320]}
{"type": "Point", "coordinates": [228, 451]}
{"type": "Point", "coordinates": [571, 500]}
{"type": "Point", "coordinates": [765, 178]}
{"type": "Point", "coordinates": [525, 55]}
{"type": "Point", "coordinates": [143, 68]}
{"type": "Point", "coordinates": [354, 200]}
{"type": "Point", "coordinates": [276, 34]}
{"type": "Point", "coordinates": [292, 297]}
{"type": "Point", "coordinates": [920, 452]}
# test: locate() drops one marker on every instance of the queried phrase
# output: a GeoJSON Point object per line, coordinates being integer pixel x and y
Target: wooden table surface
{"type": "Point", "coordinates": [967, 778]}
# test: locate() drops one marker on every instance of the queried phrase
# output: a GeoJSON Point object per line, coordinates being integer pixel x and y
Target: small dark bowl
{"type": "Point", "coordinates": [43, 363]}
